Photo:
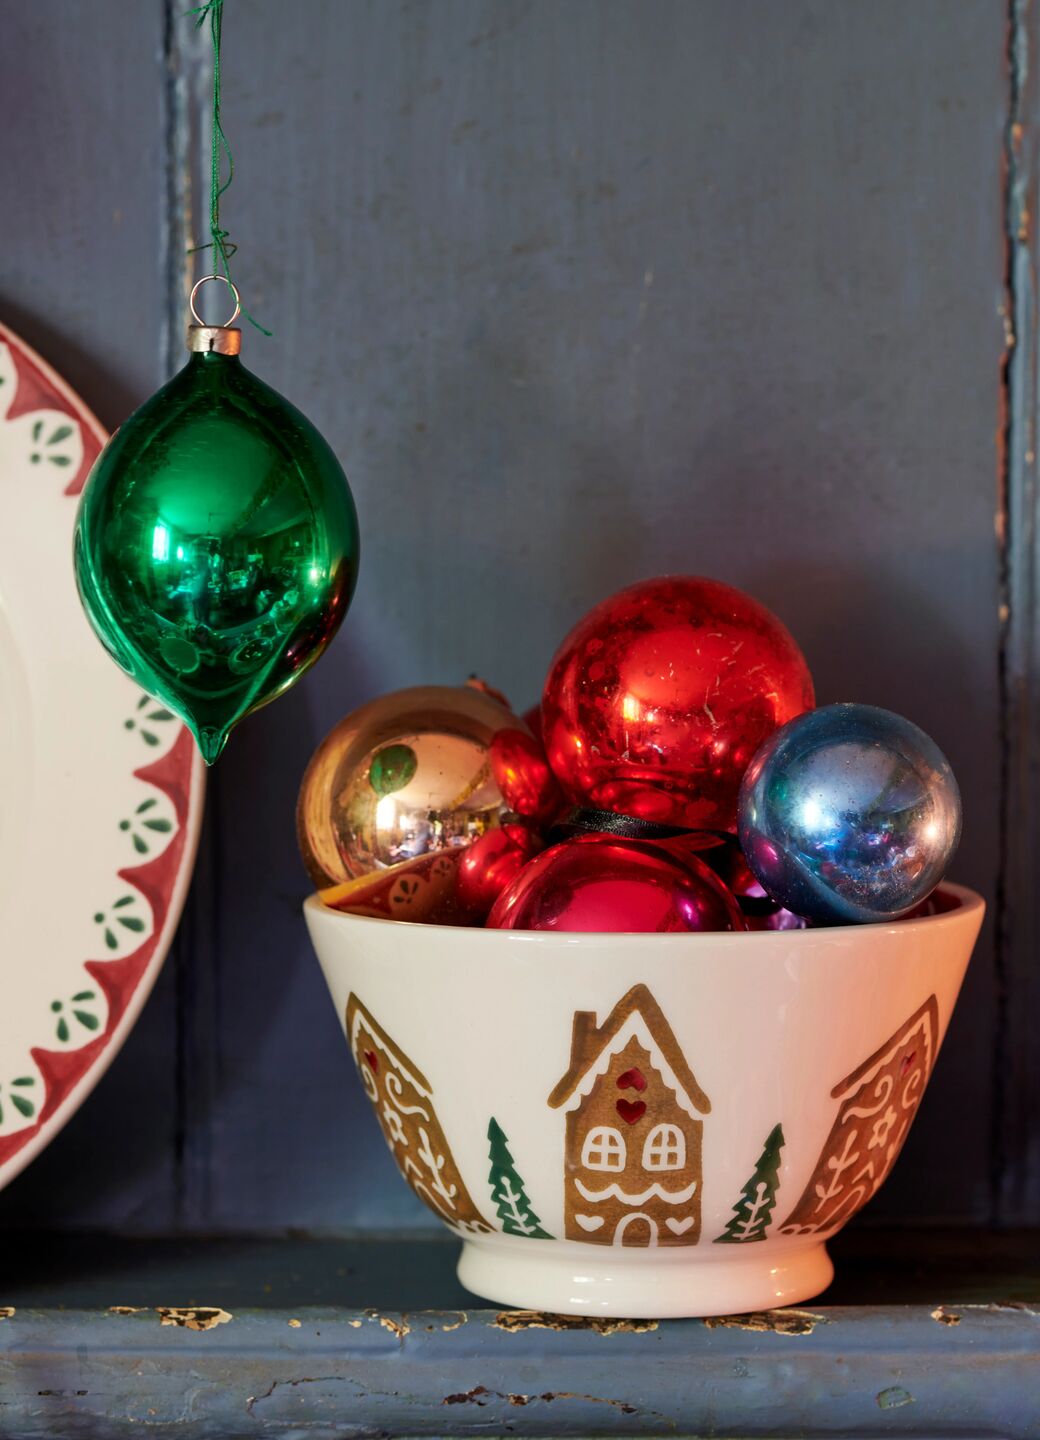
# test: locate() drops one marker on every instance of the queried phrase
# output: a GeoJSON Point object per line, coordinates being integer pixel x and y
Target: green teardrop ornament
{"type": "Point", "coordinates": [216, 545]}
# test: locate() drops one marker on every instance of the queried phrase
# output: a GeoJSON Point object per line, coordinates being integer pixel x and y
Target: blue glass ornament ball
{"type": "Point", "coordinates": [849, 814]}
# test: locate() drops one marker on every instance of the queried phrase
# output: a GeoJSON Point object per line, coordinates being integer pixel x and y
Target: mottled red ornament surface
{"type": "Point", "coordinates": [523, 775]}
{"type": "Point", "coordinates": [490, 864]}
{"type": "Point", "coordinates": [657, 700]}
{"type": "Point", "coordinates": [610, 885]}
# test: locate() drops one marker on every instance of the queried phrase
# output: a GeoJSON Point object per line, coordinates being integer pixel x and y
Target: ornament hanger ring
{"type": "Point", "coordinates": [224, 281]}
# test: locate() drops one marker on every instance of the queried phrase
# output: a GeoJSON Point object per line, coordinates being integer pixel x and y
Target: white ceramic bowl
{"type": "Point", "coordinates": [651, 1125]}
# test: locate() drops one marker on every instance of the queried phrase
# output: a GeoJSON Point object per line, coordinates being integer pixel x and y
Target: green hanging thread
{"type": "Point", "coordinates": [220, 241]}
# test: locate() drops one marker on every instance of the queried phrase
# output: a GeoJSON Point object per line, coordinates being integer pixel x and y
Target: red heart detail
{"type": "Point", "coordinates": [631, 1110]}
{"type": "Point", "coordinates": [373, 1061]}
{"type": "Point", "coordinates": [632, 1080]}
{"type": "Point", "coordinates": [908, 1060]}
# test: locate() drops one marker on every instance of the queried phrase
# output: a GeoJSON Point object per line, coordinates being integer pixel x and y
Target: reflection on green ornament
{"type": "Point", "coordinates": [392, 768]}
{"type": "Point", "coordinates": [217, 543]}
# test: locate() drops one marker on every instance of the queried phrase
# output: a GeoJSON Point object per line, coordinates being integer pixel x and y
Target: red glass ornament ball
{"type": "Point", "coordinates": [613, 885]}
{"type": "Point", "coordinates": [523, 775]}
{"type": "Point", "coordinates": [490, 864]}
{"type": "Point", "coordinates": [658, 698]}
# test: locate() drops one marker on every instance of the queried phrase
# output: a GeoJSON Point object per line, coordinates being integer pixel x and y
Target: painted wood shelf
{"type": "Point", "coordinates": [923, 1334]}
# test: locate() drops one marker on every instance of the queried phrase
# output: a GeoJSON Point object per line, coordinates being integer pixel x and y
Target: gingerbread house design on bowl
{"type": "Point", "coordinates": [403, 1101]}
{"type": "Point", "coordinates": [633, 1146]}
{"type": "Point", "coordinates": [877, 1105]}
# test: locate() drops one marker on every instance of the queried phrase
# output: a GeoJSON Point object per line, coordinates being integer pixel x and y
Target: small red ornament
{"type": "Point", "coordinates": [522, 774]}
{"type": "Point", "coordinates": [614, 885]}
{"type": "Point", "coordinates": [490, 864]}
{"type": "Point", "coordinates": [658, 698]}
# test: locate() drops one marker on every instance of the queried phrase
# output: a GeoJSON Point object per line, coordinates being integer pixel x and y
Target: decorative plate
{"type": "Point", "coordinates": [100, 787]}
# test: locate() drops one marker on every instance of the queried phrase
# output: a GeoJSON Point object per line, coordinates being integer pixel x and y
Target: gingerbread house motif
{"type": "Point", "coordinates": [876, 1106]}
{"type": "Point", "coordinates": [403, 1101]}
{"type": "Point", "coordinates": [633, 1148]}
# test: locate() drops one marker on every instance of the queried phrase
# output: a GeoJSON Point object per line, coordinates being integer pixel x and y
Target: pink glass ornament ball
{"type": "Point", "coordinates": [614, 885]}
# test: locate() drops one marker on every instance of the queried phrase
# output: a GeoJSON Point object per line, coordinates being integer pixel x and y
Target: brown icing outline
{"type": "Point", "coordinates": [898, 1071]}
{"type": "Point", "coordinates": [402, 1098]}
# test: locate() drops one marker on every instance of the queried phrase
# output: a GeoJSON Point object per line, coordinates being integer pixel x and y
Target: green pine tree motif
{"type": "Point", "coordinates": [754, 1209]}
{"type": "Point", "coordinates": [507, 1190]}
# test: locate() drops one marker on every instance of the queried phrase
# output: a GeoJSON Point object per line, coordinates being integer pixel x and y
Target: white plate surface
{"type": "Point", "coordinates": [100, 787]}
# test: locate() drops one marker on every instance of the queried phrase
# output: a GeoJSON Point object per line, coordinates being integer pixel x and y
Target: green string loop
{"type": "Point", "coordinates": [220, 241]}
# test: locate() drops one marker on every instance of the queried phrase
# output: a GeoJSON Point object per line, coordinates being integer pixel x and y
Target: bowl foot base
{"type": "Point", "coordinates": [565, 1278]}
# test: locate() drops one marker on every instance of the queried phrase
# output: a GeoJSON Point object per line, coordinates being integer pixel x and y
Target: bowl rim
{"type": "Point", "coordinates": [970, 906]}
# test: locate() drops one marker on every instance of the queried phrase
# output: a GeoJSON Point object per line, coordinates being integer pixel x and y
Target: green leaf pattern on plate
{"type": "Point", "coordinates": [75, 1019]}
{"type": "Point", "coordinates": [18, 1095]}
{"type": "Point", "coordinates": [50, 444]}
{"type": "Point", "coordinates": [145, 819]}
{"type": "Point", "coordinates": [143, 719]}
{"type": "Point", "coordinates": [77, 1011]}
{"type": "Point", "coordinates": [119, 916]}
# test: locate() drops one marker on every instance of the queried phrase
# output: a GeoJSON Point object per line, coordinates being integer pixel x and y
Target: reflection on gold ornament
{"type": "Point", "coordinates": [407, 775]}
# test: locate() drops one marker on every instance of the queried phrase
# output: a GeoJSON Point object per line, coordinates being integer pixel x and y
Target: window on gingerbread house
{"type": "Point", "coordinates": [665, 1148]}
{"type": "Point", "coordinates": [604, 1149]}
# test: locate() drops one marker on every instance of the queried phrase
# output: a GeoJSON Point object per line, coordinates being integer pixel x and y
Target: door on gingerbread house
{"type": "Point", "coordinates": [632, 1167]}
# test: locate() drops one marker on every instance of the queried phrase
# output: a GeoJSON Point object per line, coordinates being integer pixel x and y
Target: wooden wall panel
{"type": "Point", "coordinates": [1016, 1151]}
{"type": "Point", "coordinates": [579, 293]}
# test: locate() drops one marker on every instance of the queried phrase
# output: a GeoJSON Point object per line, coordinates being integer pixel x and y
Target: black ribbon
{"type": "Point", "coordinates": [580, 821]}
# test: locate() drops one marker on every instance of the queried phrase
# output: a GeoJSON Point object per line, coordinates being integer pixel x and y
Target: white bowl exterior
{"type": "Point", "coordinates": [769, 1023]}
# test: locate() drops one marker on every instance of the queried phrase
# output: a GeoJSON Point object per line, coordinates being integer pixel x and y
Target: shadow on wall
{"type": "Point", "coordinates": [110, 398]}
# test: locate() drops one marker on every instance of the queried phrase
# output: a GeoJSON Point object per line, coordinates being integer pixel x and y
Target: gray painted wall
{"type": "Point", "coordinates": [580, 292]}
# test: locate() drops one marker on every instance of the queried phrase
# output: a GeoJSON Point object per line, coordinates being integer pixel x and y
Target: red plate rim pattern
{"type": "Point", "coordinates": [69, 1075]}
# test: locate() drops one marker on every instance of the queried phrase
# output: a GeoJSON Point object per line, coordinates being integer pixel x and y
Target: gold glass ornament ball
{"type": "Point", "coordinates": [402, 776]}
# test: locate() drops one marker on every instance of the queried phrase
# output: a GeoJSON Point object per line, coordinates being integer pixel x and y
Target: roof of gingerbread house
{"type": "Point", "coordinates": [359, 1014]}
{"type": "Point", "coordinates": [636, 1015]}
{"type": "Point", "coordinates": [926, 1019]}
